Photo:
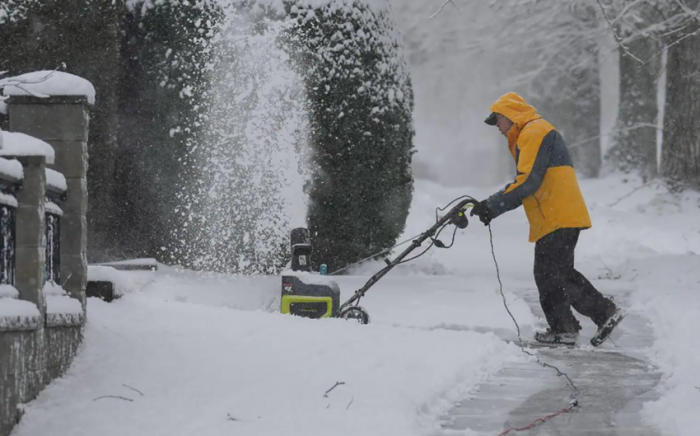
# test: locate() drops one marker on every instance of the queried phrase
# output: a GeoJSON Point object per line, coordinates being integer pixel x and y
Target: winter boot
{"type": "Point", "coordinates": [605, 329]}
{"type": "Point", "coordinates": [555, 338]}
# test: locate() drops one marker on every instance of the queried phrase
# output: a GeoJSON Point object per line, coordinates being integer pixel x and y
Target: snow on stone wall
{"type": "Point", "coordinates": [56, 180]}
{"type": "Point", "coordinates": [50, 83]}
{"type": "Point", "coordinates": [8, 291]}
{"type": "Point", "coordinates": [61, 309]}
{"type": "Point", "coordinates": [18, 315]}
{"type": "Point", "coordinates": [19, 144]}
{"type": "Point", "coordinates": [11, 167]}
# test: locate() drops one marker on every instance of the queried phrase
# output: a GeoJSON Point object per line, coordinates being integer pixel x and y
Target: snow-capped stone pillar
{"type": "Point", "coordinates": [30, 244]}
{"type": "Point", "coordinates": [55, 110]}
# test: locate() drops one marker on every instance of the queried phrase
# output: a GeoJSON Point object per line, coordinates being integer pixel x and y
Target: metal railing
{"type": "Point", "coordinates": [8, 228]}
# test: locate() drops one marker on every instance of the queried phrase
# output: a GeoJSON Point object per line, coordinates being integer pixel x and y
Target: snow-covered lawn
{"type": "Point", "coordinates": [667, 291]}
{"type": "Point", "coordinates": [201, 364]}
{"type": "Point", "coordinates": [211, 355]}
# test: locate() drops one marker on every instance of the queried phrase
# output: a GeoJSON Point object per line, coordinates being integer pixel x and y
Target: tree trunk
{"type": "Point", "coordinates": [584, 140]}
{"type": "Point", "coordinates": [681, 143]}
{"type": "Point", "coordinates": [569, 94]}
{"type": "Point", "coordinates": [574, 109]}
{"type": "Point", "coordinates": [635, 138]}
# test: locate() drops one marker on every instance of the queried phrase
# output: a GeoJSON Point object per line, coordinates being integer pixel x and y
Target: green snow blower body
{"type": "Point", "coordinates": [304, 293]}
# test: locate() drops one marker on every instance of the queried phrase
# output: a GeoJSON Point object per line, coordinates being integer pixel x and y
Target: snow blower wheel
{"type": "Point", "coordinates": [356, 313]}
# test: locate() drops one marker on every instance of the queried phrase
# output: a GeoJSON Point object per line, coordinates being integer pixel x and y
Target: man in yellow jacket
{"type": "Point", "coordinates": [547, 188]}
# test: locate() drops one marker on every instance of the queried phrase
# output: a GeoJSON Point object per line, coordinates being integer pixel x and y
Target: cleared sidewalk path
{"type": "Point", "coordinates": [613, 382]}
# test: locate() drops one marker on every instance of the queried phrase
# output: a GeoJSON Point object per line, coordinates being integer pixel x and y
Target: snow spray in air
{"type": "Point", "coordinates": [248, 167]}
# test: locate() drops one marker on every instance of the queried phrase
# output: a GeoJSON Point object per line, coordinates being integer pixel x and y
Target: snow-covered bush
{"type": "Point", "coordinates": [361, 127]}
{"type": "Point", "coordinates": [12, 10]}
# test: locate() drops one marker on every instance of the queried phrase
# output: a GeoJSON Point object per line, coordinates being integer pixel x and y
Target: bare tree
{"type": "Point", "coordinates": [634, 141]}
{"type": "Point", "coordinates": [550, 53]}
{"type": "Point", "coordinates": [551, 48]}
{"type": "Point", "coordinates": [681, 144]}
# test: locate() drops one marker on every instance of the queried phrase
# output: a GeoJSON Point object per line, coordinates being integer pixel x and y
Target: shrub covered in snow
{"type": "Point", "coordinates": [361, 104]}
{"type": "Point", "coordinates": [12, 10]}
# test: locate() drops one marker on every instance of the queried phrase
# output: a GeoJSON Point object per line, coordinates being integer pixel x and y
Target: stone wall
{"type": "Point", "coordinates": [36, 348]}
{"type": "Point", "coordinates": [29, 360]}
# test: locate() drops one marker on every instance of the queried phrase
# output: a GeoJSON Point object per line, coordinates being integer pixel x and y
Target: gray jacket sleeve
{"type": "Point", "coordinates": [500, 202]}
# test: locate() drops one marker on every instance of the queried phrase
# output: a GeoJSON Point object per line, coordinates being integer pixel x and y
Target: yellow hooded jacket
{"type": "Point", "coordinates": [546, 183]}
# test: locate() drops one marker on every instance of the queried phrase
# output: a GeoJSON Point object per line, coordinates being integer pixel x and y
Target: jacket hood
{"type": "Point", "coordinates": [516, 109]}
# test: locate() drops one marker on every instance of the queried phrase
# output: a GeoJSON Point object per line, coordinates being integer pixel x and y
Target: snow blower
{"type": "Point", "coordinates": [303, 293]}
{"type": "Point", "coordinates": [317, 296]}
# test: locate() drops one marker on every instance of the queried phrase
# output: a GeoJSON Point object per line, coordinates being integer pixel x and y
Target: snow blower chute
{"type": "Point", "coordinates": [317, 296]}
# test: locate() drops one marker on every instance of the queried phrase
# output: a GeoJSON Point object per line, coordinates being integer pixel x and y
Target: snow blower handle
{"type": "Point", "coordinates": [456, 216]}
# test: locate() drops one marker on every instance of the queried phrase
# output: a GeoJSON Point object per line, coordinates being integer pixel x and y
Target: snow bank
{"type": "Point", "coordinates": [50, 83]}
{"type": "Point", "coordinates": [632, 220]}
{"type": "Point", "coordinates": [56, 180]}
{"type": "Point", "coordinates": [248, 293]}
{"type": "Point", "coordinates": [666, 290]}
{"type": "Point", "coordinates": [124, 282]}
{"type": "Point", "coordinates": [143, 261]}
{"type": "Point", "coordinates": [19, 144]}
{"type": "Point", "coordinates": [11, 167]}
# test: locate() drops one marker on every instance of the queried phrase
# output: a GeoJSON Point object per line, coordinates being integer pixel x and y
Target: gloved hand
{"type": "Point", "coordinates": [482, 210]}
{"type": "Point", "coordinates": [459, 219]}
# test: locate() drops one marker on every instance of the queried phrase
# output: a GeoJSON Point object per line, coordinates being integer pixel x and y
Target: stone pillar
{"type": "Point", "coordinates": [30, 245]}
{"type": "Point", "coordinates": [63, 122]}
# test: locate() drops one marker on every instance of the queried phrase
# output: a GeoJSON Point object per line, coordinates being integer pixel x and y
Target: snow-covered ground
{"type": "Point", "coordinates": [186, 353]}
{"type": "Point", "coordinates": [667, 291]}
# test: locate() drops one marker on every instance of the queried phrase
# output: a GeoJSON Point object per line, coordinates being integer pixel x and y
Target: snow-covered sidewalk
{"type": "Point", "coordinates": [612, 381]}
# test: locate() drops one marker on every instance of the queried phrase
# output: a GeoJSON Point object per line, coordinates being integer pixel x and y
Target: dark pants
{"type": "Point", "coordinates": [561, 287]}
